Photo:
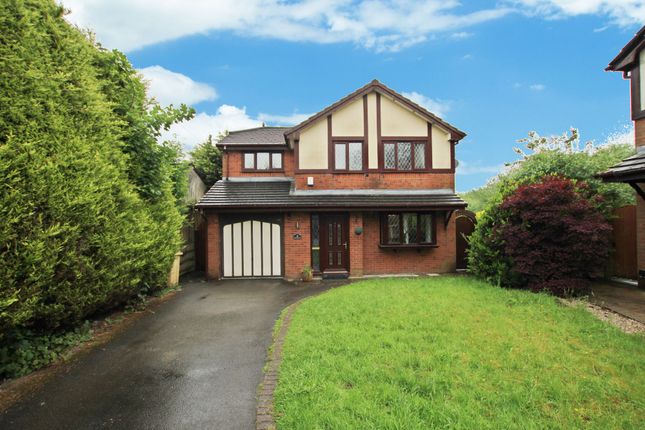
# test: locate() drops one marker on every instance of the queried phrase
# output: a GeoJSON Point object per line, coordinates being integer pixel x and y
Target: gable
{"type": "Point", "coordinates": [371, 115]}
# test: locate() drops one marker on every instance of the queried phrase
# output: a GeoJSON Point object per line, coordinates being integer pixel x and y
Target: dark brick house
{"type": "Point", "coordinates": [631, 62]}
{"type": "Point", "coordinates": [365, 186]}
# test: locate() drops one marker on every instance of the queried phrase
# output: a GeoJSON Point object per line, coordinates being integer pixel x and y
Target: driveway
{"type": "Point", "coordinates": [195, 363]}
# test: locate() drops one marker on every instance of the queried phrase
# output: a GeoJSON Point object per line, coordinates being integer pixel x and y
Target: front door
{"type": "Point", "coordinates": [334, 241]}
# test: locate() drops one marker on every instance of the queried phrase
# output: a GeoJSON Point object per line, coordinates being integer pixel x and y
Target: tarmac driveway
{"type": "Point", "coordinates": [195, 363]}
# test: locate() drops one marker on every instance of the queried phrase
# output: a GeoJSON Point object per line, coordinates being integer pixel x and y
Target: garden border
{"type": "Point", "coordinates": [264, 417]}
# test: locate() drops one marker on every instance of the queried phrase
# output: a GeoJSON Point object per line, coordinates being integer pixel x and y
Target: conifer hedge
{"type": "Point", "coordinates": [79, 230]}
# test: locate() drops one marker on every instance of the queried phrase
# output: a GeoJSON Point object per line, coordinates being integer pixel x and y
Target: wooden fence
{"type": "Point", "coordinates": [623, 262]}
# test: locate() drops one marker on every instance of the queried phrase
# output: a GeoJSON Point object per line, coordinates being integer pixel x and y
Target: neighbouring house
{"type": "Point", "coordinates": [631, 61]}
{"type": "Point", "coordinates": [366, 186]}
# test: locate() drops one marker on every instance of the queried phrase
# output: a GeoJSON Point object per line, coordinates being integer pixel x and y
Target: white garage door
{"type": "Point", "coordinates": [252, 248]}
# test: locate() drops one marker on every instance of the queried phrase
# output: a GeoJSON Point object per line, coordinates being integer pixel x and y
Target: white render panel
{"type": "Point", "coordinates": [266, 249]}
{"type": "Point", "coordinates": [228, 250]}
{"type": "Point", "coordinates": [237, 249]}
{"type": "Point", "coordinates": [257, 248]}
{"type": "Point", "coordinates": [441, 153]}
{"type": "Point", "coordinates": [348, 120]}
{"type": "Point", "coordinates": [277, 260]}
{"type": "Point", "coordinates": [247, 249]}
{"type": "Point", "coordinates": [372, 137]}
{"type": "Point", "coordinates": [397, 120]}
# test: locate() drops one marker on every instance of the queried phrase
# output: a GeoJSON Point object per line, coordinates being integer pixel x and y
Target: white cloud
{"type": "Point", "coordinates": [381, 25]}
{"type": "Point", "coordinates": [461, 35]}
{"type": "Point", "coordinates": [195, 131]}
{"type": "Point", "coordinates": [227, 118]}
{"type": "Point", "coordinates": [293, 119]}
{"type": "Point", "coordinates": [465, 168]}
{"type": "Point", "coordinates": [621, 12]}
{"type": "Point", "coordinates": [437, 107]}
{"type": "Point", "coordinates": [174, 88]}
{"type": "Point", "coordinates": [537, 87]}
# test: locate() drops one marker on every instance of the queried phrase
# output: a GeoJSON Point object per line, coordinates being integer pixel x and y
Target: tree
{"type": "Point", "coordinates": [562, 155]}
{"type": "Point", "coordinates": [87, 201]}
{"type": "Point", "coordinates": [206, 158]}
{"type": "Point", "coordinates": [554, 237]}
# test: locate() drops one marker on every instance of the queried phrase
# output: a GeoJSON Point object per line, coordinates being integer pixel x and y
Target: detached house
{"type": "Point", "coordinates": [365, 186]}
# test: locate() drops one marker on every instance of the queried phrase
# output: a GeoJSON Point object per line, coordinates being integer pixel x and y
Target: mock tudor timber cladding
{"type": "Point", "coordinates": [348, 121]}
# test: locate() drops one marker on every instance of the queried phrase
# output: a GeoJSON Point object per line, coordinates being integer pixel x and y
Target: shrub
{"type": "Point", "coordinates": [546, 236]}
{"type": "Point", "coordinates": [85, 227]}
{"type": "Point", "coordinates": [31, 351]}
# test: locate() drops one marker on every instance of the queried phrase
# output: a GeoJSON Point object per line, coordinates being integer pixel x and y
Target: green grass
{"type": "Point", "coordinates": [453, 352]}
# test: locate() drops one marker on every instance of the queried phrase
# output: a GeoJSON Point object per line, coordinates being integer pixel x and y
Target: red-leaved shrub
{"type": "Point", "coordinates": [556, 239]}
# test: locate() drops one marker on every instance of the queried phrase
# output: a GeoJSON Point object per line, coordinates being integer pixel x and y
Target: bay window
{"type": "Point", "coordinates": [408, 229]}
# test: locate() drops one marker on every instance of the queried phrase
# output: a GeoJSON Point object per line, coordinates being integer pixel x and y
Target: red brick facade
{"type": "Point", "coordinates": [213, 240]}
{"type": "Point", "coordinates": [330, 181]}
{"type": "Point", "coordinates": [232, 163]}
{"type": "Point", "coordinates": [366, 257]}
{"type": "Point", "coordinates": [639, 126]}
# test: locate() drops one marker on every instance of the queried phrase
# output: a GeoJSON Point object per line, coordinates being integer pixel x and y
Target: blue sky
{"type": "Point", "coordinates": [494, 69]}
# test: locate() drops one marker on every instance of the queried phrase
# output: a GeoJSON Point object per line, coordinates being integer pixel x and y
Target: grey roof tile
{"type": "Point", "coordinates": [256, 136]}
{"type": "Point", "coordinates": [630, 169]}
{"type": "Point", "coordinates": [278, 195]}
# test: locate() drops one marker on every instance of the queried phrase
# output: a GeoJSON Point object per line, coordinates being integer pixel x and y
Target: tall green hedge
{"type": "Point", "coordinates": [77, 236]}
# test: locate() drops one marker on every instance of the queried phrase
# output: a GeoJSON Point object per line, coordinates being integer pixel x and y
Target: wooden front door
{"type": "Point", "coordinates": [334, 243]}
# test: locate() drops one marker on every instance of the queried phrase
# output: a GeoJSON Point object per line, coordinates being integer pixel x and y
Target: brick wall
{"type": "Point", "coordinates": [212, 246]}
{"type": "Point", "coordinates": [356, 245]}
{"type": "Point", "coordinates": [326, 181]}
{"type": "Point", "coordinates": [297, 253]}
{"type": "Point", "coordinates": [431, 260]}
{"type": "Point", "coordinates": [639, 126]}
{"type": "Point", "coordinates": [232, 163]}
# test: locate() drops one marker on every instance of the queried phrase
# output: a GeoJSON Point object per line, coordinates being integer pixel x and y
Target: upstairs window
{"type": "Point", "coordinates": [408, 229]}
{"type": "Point", "coordinates": [262, 161]}
{"type": "Point", "coordinates": [348, 156]}
{"type": "Point", "coordinates": [404, 156]}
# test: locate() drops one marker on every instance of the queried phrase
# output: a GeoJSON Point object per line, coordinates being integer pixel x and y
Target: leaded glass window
{"type": "Point", "coordinates": [389, 153]}
{"type": "Point", "coordinates": [408, 228]}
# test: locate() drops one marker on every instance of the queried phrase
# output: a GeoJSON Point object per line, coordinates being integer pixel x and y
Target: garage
{"type": "Point", "coordinates": [252, 247]}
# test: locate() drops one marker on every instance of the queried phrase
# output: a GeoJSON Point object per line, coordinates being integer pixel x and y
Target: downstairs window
{"type": "Point", "coordinates": [408, 228]}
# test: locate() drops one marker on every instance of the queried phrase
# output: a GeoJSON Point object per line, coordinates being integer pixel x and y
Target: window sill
{"type": "Point", "coordinates": [262, 171]}
{"type": "Point", "coordinates": [411, 246]}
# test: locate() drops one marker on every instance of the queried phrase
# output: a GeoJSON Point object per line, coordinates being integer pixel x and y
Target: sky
{"type": "Point", "coordinates": [494, 69]}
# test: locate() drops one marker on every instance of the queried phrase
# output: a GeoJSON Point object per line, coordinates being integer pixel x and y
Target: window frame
{"type": "Point", "coordinates": [412, 142]}
{"type": "Point", "coordinates": [347, 142]}
{"type": "Point", "coordinates": [636, 91]}
{"type": "Point", "coordinates": [255, 161]}
{"type": "Point", "coordinates": [384, 239]}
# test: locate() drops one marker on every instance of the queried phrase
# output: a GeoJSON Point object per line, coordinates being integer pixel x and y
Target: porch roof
{"type": "Point", "coordinates": [262, 193]}
{"type": "Point", "coordinates": [631, 169]}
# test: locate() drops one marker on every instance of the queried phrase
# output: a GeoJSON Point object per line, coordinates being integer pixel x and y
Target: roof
{"type": "Point", "coordinates": [375, 85]}
{"type": "Point", "coordinates": [631, 169]}
{"type": "Point", "coordinates": [272, 193]}
{"type": "Point", "coordinates": [627, 56]}
{"type": "Point", "coordinates": [255, 136]}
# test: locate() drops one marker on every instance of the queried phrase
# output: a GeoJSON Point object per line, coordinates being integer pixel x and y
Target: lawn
{"type": "Point", "coordinates": [453, 352]}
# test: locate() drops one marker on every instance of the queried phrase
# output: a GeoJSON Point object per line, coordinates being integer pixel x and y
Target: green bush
{"type": "Point", "coordinates": [88, 203]}
{"type": "Point", "coordinates": [560, 156]}
{"type": "Point", "coordinates": [30, 351]}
